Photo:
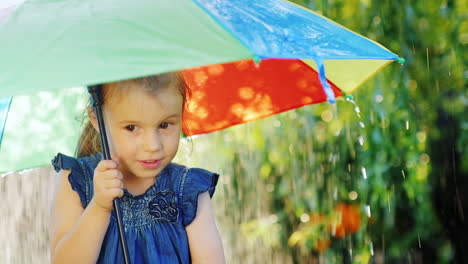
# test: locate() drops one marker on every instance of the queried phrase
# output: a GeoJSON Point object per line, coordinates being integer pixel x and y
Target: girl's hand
{"type": "Point", "coordinates": [108, 184]}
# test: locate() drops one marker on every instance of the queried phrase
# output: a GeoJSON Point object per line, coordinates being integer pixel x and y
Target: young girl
{"type": "Point", "coordinates": [167, 211]}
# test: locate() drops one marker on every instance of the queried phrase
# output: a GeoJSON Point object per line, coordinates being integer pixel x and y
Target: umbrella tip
{"type": "Point", "coordinates": [402, 61]}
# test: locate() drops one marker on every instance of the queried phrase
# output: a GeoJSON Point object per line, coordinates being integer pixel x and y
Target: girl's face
{"type": "Point", "coordinates": [143, 129]}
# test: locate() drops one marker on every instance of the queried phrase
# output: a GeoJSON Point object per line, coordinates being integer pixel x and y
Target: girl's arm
{"type": "Point", "coordinates": [76, 234]}
{"type": "Point", "coordinates": [204, 240]}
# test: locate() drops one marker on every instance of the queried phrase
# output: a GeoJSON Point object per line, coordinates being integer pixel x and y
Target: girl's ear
{"type": "Point", "coordinates": [92, 118]}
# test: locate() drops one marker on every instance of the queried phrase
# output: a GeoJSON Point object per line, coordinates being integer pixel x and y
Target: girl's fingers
{"type": "Point", "coordinates": [106, 165]}
{"type": "Point", "coordinates": [113, 183]}
{"type": "Point", "coordinates": [116, 192]}
{"type": "Point", "coordinates": [110, 174]}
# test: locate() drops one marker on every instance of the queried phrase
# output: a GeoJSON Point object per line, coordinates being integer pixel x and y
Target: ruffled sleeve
{"type": "Point", "coordinates": [77, 176]}
{"type": "Point", "coordinates": [194, 182]}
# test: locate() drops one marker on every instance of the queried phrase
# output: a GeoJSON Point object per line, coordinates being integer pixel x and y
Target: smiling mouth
{"type": "Point", "coordinates": [150, 164]}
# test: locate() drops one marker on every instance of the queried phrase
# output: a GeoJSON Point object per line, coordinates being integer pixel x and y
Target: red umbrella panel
{"type": "Point", "coordinates": [239, 92]}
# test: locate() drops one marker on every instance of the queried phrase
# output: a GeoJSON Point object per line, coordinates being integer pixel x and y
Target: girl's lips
{"type": "Point", "coordinates": [150, 164]}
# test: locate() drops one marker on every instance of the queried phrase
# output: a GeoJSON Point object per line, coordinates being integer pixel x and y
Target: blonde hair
{"type": "Point", "coordinates": [89, 143]}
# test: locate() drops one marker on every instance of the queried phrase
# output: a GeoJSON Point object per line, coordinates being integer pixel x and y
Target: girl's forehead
{"type": "Point", "coordinates": [135, 100]}
{"type": "Point", "coordinates": [129, 91]}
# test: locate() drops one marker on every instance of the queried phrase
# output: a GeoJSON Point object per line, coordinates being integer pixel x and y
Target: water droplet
{"type": "Point", "coordinates": [424, 158]}
{"type": "Point", "coordinates": [427, 59]}
{"type": "Point", "coordinates": [407, 125]}
{"type": "Point", "coordinates": [305, 218]}
{"type": "Point", "coordinates": [419, 241]}
{"type": "Point", "coordinates": [368, 211]}
{"type": "Point", "coordinates": [356, 108]}
{"type": "Point", "coordinates": [388, 203]}
{"type": "Point", "coordinates": [361, 140]}
{"type": "Point", "coordinates": [403, 173]}
{"type": "Point", "coordinates": [378, 98]}
{"type": "Point", "coordinates": [361, 124]}
{"type": "Point", "coordinates": [364, 173]}
{"type": "Point", "coordinates": [353, 195]}
{"type": "Point", "coordinates": [371, 247]}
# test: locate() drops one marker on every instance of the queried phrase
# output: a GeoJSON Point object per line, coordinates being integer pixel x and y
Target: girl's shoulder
{"type": "Point", "coordinates": [191, 183]}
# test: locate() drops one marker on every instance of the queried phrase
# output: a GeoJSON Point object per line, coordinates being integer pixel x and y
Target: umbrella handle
{"type": "Point", "coordinates": [96, 102]}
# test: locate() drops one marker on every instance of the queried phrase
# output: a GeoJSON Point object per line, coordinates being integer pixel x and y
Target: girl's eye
{"type": "Point", "coordinates": [164, 125]}
{"type": "Point", "coordinates": [130, 128]}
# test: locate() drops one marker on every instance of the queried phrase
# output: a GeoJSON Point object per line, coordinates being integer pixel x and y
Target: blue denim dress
{"type": "Point", "coordinates": [154, 222]}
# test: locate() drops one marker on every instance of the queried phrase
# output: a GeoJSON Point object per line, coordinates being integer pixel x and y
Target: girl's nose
{"type": "Point", "coordinates": [153, 142]}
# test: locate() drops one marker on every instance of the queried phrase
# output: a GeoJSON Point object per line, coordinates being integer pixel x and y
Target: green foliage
{"type": "Point", "coordinates": [284, 173]}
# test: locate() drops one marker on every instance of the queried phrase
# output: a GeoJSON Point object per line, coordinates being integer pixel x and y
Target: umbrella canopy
{"type": "Point", "coordinates": [244, 60]}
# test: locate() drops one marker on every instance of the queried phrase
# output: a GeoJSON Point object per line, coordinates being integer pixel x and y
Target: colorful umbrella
{"type": "Point", "coordinates": [264, 57]}
{"type": "Point", "coordinates": [245, 60]}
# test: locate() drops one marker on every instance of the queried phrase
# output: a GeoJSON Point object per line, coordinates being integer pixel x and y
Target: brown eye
{"type": "Point", "coordinates": [164, 125]}
{"type": "Point", "coordinates": [130, 128]}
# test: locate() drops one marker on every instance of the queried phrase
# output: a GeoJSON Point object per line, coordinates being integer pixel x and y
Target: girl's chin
{"type": "Point", "coordinates": [146, 173]}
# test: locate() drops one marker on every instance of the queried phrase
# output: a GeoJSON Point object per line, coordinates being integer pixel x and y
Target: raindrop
{"type": "Point", "coordinates": [378, 98]}
{"type": "Point", "coordinates": [407, 125]}
{"type": "Point", "coordinates": [353, 195]}
{"type": "Point", "coordinates": [388, 204]}
{"type": "Point", "coordinates": [403, 173]}
{"type": "Point", "coordinates": [419, 240]}
{"type": "Point", "coordinates": [364, 173]}
{"type": "Point", "coordinates": [305, 218]}
{"type": "Point", "coordinates": [371, 246]}
{"type": "Point", "coordinates": [361, 140]}
{"type": "Point", "coordinates": [361, 124]}
{"type": "Point", "coordinates": [368, 211]}
{"type": "Point", "coordinates": [421, 136]}
{"type": "Point", "coordinates": [356, 108]}
{"type": "Point", "coordinates": [424, 158]}
{"type": "Point", "coordinates": [376, 20]}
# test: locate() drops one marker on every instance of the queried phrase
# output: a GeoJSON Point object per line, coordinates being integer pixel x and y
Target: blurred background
{"type": "Point", "coordinates": [382, 178]}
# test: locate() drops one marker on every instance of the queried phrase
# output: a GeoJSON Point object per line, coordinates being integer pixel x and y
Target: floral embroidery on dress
{"type": "Point", "coordinates": [163, 206]}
